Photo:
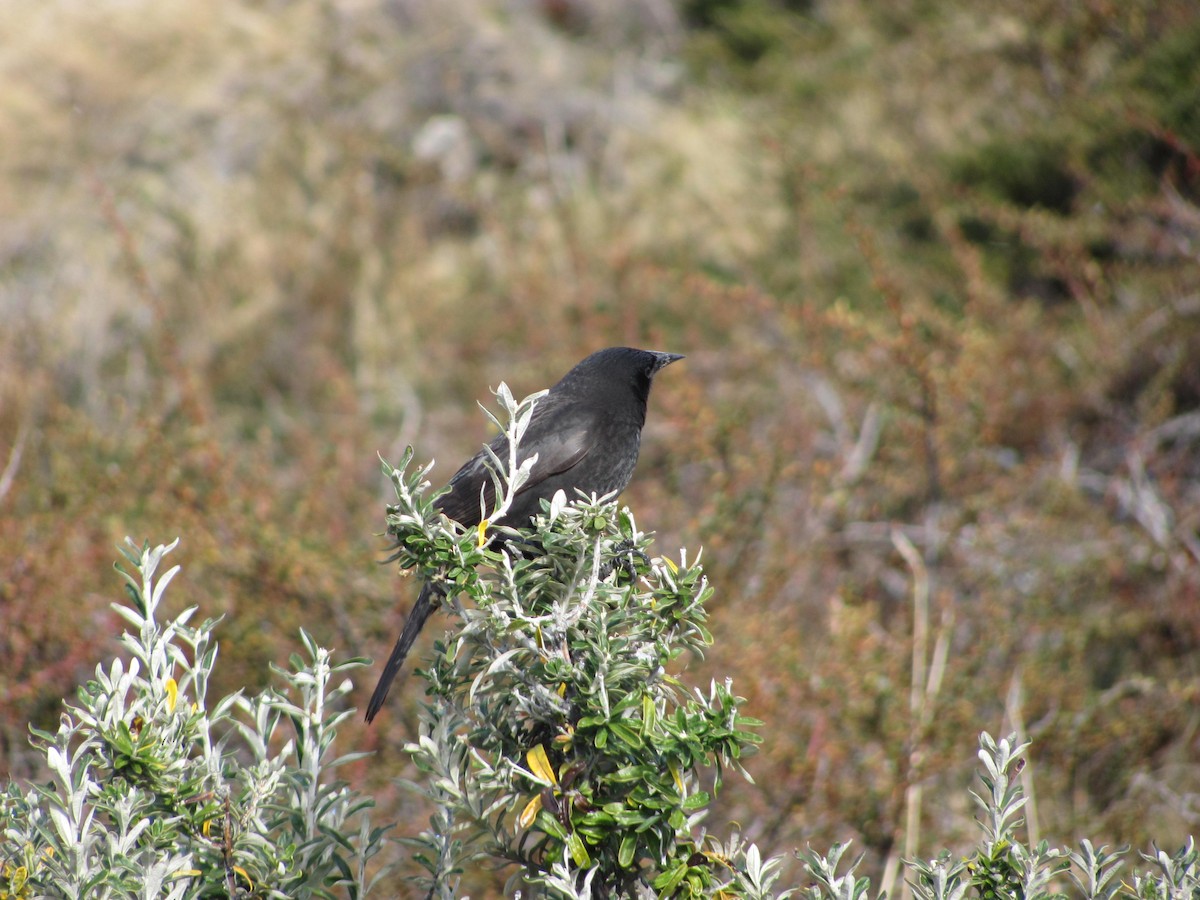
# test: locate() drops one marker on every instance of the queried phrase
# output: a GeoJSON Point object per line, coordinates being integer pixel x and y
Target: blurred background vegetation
{"type": "Point", "coordinates": [934, 266]}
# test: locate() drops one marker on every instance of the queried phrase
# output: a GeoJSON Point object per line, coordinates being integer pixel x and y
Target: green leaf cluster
{"type": "Point", "coordinates": [557, 730]}
{"type": "Point", "coordinates": [157, 791]}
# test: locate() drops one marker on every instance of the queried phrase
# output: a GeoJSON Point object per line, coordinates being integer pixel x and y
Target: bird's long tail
{"type": "Point", "coordinates": [425, 604]}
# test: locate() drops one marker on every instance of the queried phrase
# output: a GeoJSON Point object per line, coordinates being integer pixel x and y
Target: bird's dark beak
{"type": "Point", "coordinates": [665, 359]}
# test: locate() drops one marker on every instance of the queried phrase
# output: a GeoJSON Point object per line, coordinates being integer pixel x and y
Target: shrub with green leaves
{"type": "Point", "coordinates": [1004, 866]}
{"type": "Point", "coordinates": [157, 791]}
{"type": "Point", "coordinates": [556, 734]}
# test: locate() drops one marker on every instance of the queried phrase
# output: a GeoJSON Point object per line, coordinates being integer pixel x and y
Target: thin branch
{"type": "Point", "coordinates": [8, 476]}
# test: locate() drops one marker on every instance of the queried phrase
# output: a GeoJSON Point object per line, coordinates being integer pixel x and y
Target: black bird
{"type": "Point", "coordinates": [586, 432]}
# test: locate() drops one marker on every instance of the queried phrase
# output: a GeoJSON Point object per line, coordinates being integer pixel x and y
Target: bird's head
{"type": "Point", "coordinates": [617, 368]}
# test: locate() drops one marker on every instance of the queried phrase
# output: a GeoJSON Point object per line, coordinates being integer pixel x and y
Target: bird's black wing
{"type": "Point", "coordinates": [561, 434]}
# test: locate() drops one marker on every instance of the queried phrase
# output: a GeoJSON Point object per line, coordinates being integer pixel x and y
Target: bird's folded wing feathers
{"type": "Point", "coordinates": [557, 451]}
